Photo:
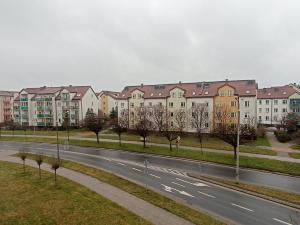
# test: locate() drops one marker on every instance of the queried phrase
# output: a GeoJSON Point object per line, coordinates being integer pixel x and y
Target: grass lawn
{"type": "Point", "coordinates": [270, 192]}
{"type": "Point", "coordinates": [262, 142]}
{"type": "Point", "coordinates": [42, 132]}
{"type": "Point", "coordinates": [294, 155]}
{"type": "Point", "coordinates": [27, 200]}
{"type": "Point", "coordinates": [297, 147]}
{"type": "Point", "coordinates": [246, 162]}
{"type": "Point", "coordinates": [152, 197]}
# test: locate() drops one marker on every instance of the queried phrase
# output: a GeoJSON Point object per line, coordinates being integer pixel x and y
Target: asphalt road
{"type": "Point", "coordinates": [234, 206]}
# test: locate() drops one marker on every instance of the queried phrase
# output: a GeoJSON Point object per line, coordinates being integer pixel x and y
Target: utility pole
{"type": "Point", "coordinates": [57, 145]}
{"type": "Point", "coordinates": [238, 145]}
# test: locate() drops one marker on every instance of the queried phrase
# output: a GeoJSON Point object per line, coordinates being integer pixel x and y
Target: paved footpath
{"type": "Point", "coordinates": [278, 157]}
{"type": "Point", "coordinates": [138, 206]}
{"type": "Point", "coordinates": [282, 149]}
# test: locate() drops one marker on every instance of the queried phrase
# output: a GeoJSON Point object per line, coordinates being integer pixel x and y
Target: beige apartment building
{"type": "Point", "coordinates": [6, 105]}
{"type": "Point", "coordinates": [183, 96]}
{"type": "Point", "coordinates": [107, 102]}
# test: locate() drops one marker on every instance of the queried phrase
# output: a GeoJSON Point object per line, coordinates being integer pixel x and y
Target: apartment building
{"type": "Point", "coordinates": [107, 102]}
{"type": "Point", "coordinates": [6, 105]}
{"type": "Point", "coordinates": [275, 102]}
{"type": "Point", "coordinates": [46, 106]}
{"type": "Point", "coordinates": [184, 96]}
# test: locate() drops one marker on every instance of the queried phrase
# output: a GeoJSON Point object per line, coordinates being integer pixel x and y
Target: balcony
{"type": "Point", "coordinates": [24, 108]}
{"type": "Point", "coordinates": [44, 115]}
{"type": "Point", "coordinates": [40, 124]}
{"type": "Point", "coordinates": [40, 108]}
{"type": "Point", "coordinates": [48, 99]}
{"type": "Point", "coordinates": [24, 99]}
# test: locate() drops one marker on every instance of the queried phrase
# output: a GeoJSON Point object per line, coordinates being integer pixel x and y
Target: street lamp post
{"type": "Point", "coordinates": [238, 145]}
{"type": "Point", "coordinates": [57, 145]}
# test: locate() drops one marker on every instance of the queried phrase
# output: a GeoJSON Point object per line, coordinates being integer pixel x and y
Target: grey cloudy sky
{"type": "Point", "coordinates": [113, 43]}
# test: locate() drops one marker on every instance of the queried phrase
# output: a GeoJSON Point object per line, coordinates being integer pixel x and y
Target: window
{"type": "Point", "coordinates": [160, 104]}
{"type": "Point", "coordinates": [139, 95]}
{"type": "Point", "coordinates": [150, 103]}
{"type": "Point", "coordinates": [182, 104]}
{"type": "Point", "coordinates": [173, 95]}
{"type": "Point", "coordinates": [206, 125]}
{"type": "Point", "coordinates": [131, 104]}
{"type": "Point", "coordinates": [247, 103]}
{"type": "Point", "coordinates": [267, 102]}
{"type": "Point", "coordinates": [206, 104]}
{"type": "Point", "coordinates": [193, 104]}
{"type": "Point", "coordinates": [134, 96]}
{"type": "Point", "coordinates": [221, 93]}
{"type": "Point", "coordinates": [142, 104]}
{"type": "Point", "coordinates": [275, 102]}
{"type": "Point", "coordinates": [232, 114]}
{"type": "Point", "coordinates": [206, 114]}
{"type": "Point", "coordinates": [259, 118]}
{"type": "Point", "coordinates": [122, 105]}
{"type": "Point", "coordinates": [171, 114]}
{"type": "Point", "coordinates": [171, 104]}
{"type": "Point", "coordinates": [230, 92]}
{"type": "Point", "coordinates": [284, 102]}
{"type": "Point", "coordinates": [259, 102]}
{"type": "Point", "coordinates": [172, 124]}
{"type": "Point", "coordinates": [179, 94]}
{"type": "Point", "coordinates": [284, 110]}
{"type": "Point", "coordinates": [267, 110]}
{"type": "Point", "coordinates": [247, 115]}
{"type": "Point", "coordinates": [233, 103]}
{"type": "Point", "coordinates": [275, 118]}
{"type": "Point", "coordinates": [259, 110]}
{"type": "Point", "coordinates": [267, 118]}
{"type": "Point", "coordinates": [275, 110]}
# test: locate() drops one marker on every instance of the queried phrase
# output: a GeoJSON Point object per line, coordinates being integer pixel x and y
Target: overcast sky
{"type": "Point", "coordinates": [114, 43]}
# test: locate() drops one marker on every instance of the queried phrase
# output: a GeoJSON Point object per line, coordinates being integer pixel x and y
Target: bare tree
{"type": "Point", "coordinates": [226, 128]}
{"type": "Point", "coordinates": [169, 131]}
{"type": "Point", "coordinates": [289, 122]}
{"type": "Point", "coordinates": [143, 124]}
{"type": "Point", "coordinates": [55, 164]}
{"type": "Point", "coordinates": [180, 119]}
{"type": "Point", "coordinates": [199, 118]}
{"type": "Point", "coordinates": [23, 156]}
{"type": "Point", "coordinates": [120, 125]}
{"type": "Point", "coordinates": [159, 116]}
{"type": "Point", "coordinates": [93, 122]}
{"type": "Point", "coordinates": [39, 160]}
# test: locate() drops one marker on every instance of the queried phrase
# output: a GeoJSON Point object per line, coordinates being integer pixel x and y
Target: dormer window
{"type": "Point", "coordinates": [151, 94]}
{"type": "Point", "coordinates": [206, 93]}
{"type": "Point", "coordinates": [159, 94]}
{"type": "Point", "coordinates": [180, 95]}
{"type": "Point", "coordinates": [194, 93]}
{"type": "Point", "coordinates": [269, 94]}
{"type": "Point", "coordinates": [247, 92]}
{"type": "Point", "coordinates": [284, 93]}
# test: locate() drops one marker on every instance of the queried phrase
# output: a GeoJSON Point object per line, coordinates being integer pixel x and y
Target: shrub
{"type": "Point", "coordinates": [282, 136]}
{"type": "Point", "coordinates": [260, 132]}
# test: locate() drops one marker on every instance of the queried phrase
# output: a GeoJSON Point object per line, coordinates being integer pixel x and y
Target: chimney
{"type": "Point", "coordinates": [70, 85]}
{"type": "Point", "coordinates": [226, 80]}
{"type": "Point", "coordinates": [142, 85]}
{"type": "Point", "coordinates": [180, 82]}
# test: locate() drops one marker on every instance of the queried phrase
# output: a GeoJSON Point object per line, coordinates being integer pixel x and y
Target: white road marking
{"type": "Point", "coordinates": [122, 164]}
{"type": "Point", "coordinates": [178, 184]}
{"type": "Point", "coordinates": [250, 210]}
{"type": "Point", "coordinates": [280, 221]}
{"type": "Point", "coordinates": [154, 176]}
{"type": "Point", "coordinates": [195, 184]}
{"type": "Point", "coordinates": [169, 189]}
{"type": "Point", "coordinates": [208, 195]}
{"type": "Point", "coordinates": [136, 169]}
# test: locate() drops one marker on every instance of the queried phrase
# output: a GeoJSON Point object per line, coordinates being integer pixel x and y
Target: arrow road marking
{"type": "Point", "coordinates": [137, 169]}
{"type": "Point", "coordinates": [169, 189]}
{"type": "Point", "coordinates": [242, 207]}
{"type": "Point", "coordinates": [154, 176]}
{"type": "Point", "coordinates": [195, 184]}
{"type": "Point", "coordinates": [208, 195]}
{"type": "Point", "coordinates": [178, 184]}
{"type": "Point", "coordinates": [280, 221]}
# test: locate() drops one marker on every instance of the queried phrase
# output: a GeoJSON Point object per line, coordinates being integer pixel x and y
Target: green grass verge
{"type": "Point", "coordinates": [262, 142]}
{"type": "Point", "coordinates": [294, 155]}
{"type": "Point", "coordinates": [152, 197]}
{"type": "Point", "coordinates": [266, 191]}
{"type": "Point", "coordinates": [26, 199]}
{"type": "Point", "coordinates": [246, 162]}
{"type": "Point", "coordinates": [296, 147]}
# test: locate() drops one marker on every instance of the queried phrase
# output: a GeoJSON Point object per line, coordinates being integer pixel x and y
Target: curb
{"type": "Point", "coordinates": [292, 205]}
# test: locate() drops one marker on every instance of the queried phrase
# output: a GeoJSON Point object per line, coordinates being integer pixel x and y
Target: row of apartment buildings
{"type": "Point", "coordinates": [46, 106]}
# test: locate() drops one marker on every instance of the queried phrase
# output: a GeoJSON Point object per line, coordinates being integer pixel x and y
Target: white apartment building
{"type": "Point", "coordinates": [46, 106]}
{"type": "Point", "coordinates": [275, 102]}
{"type": "Point", "coordinates": [184, 96]}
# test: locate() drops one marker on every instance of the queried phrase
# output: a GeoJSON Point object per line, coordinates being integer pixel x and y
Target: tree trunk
{"type": "Point", "coordinates": [40, 171]}
{"type": "Point", "coordinates": [24, 165]}
{"type": "Point", "coordinates": [170, 142]}
{"type": "Point", "coordinates": [97, 135]}
{"type": "Point", "coordinates": [55, 177]}
{"type": "Point", "coordinates": [144, 140]}
{"type": "Point", "coordinates": [120, 139]}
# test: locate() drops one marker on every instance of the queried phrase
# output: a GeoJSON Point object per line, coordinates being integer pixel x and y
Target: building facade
{"type": "Point", "coordinates": [182, 97]}
{"type": "Point", "coordinates": [6, 105]}
{"type": "Point", "coordinates": [275, 102]}
{"type": "Point", "coordinates": [107, 102]}
{"type": "Point", "coordinates": [48, 106]}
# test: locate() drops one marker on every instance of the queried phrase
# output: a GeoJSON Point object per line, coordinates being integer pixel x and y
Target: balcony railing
{"type": "Point", "coordinates": [44, 115]}
{"type": "Point", "coordinates": [25, 108]}
{"type": "Point", "coordinates": [40, 108]}
{"type": "Point", "coordinates": [40, 124]}
{"type": "Point", "coordinates": [24, 99]}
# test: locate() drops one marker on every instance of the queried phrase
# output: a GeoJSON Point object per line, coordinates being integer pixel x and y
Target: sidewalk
{"type": "Point", "coordinates": [278, 157]}
{"type": "Point", "coordinates": [138, 206]}
{"type": "Point", "coordinates": [282, 149]}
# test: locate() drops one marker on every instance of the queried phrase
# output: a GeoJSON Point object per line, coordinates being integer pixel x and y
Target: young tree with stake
{"type": "Point", "coordinates": [93, 123]}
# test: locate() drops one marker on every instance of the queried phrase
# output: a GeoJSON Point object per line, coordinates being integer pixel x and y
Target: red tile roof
{"type": "Point", "coordinates": [113, 94]}
{"type": "Point", "coordinates": [275, 92]}
{"type": "Point", "coordinates": [192, 90]}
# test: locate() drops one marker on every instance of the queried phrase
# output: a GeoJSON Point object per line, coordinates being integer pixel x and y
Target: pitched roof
{"type": "Point", "coordinates": [7, 93]}
{"type": "Point", "coordinates": [192, 90]}
{"type": "Point", "coordinates": [113, 94]}
{"type": "Point", "coordinates": [276, 92]}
